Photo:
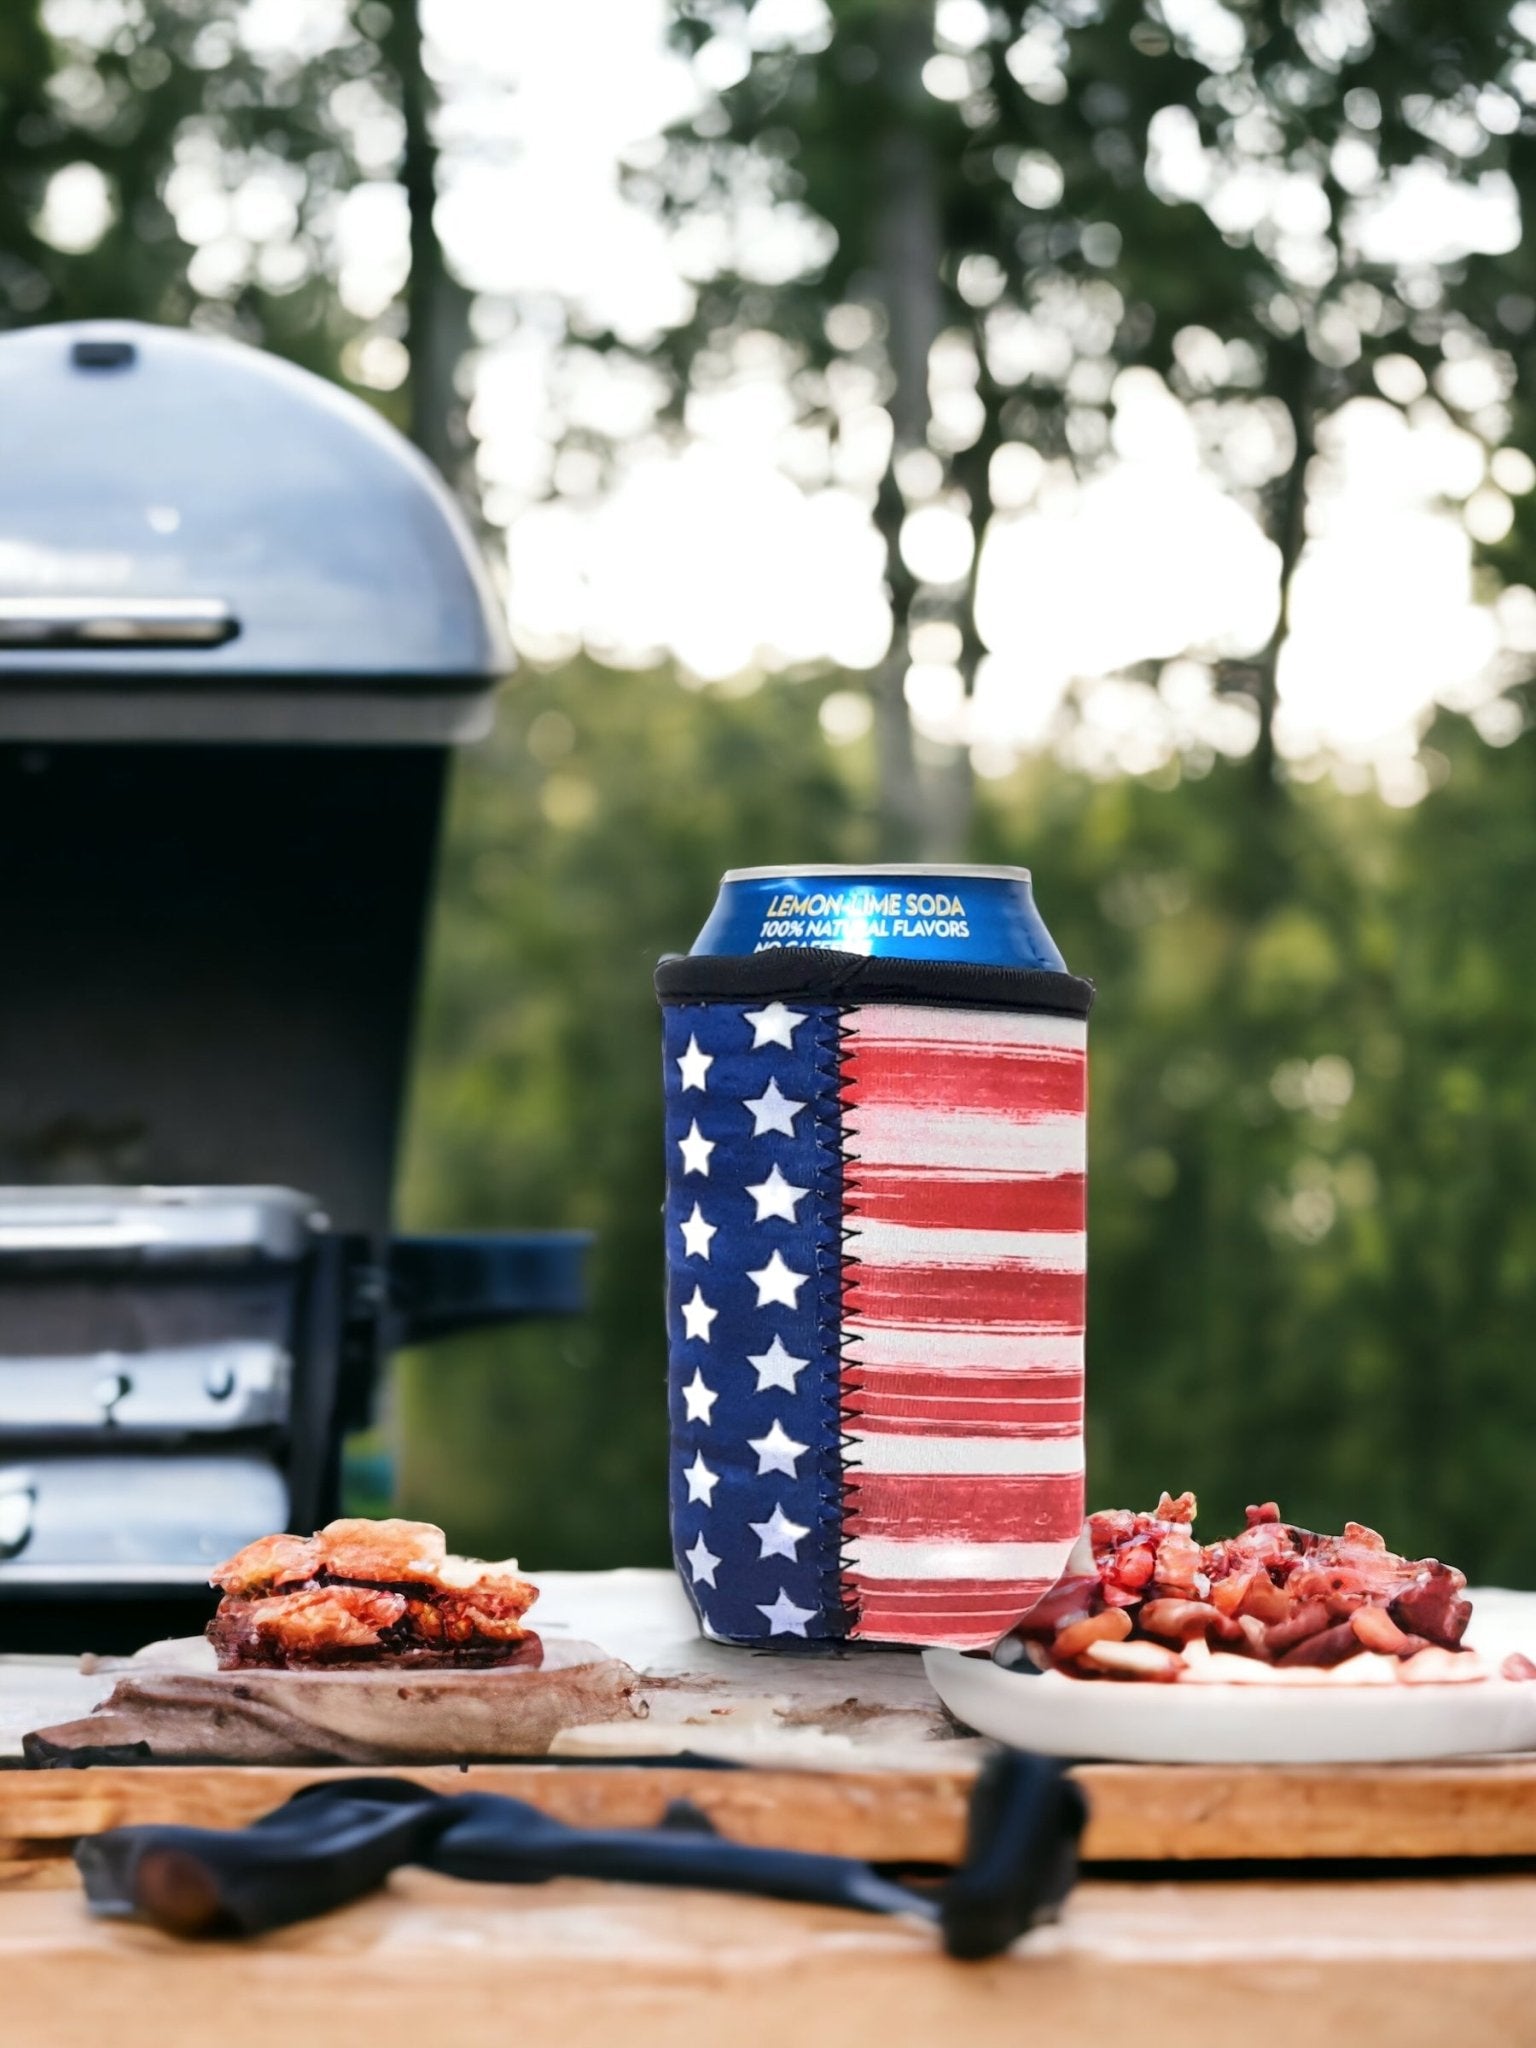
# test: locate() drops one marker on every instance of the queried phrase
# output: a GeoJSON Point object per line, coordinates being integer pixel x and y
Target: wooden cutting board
{"type": "Point", "coordinates": [1139, 1813]}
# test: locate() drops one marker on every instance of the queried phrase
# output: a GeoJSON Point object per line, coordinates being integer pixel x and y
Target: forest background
{"type": "Point", "coordinates": [1145, 391]}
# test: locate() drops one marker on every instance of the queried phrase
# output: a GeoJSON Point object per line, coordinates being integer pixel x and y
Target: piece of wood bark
{"type": "Point", "coordinates": [358, 1716]}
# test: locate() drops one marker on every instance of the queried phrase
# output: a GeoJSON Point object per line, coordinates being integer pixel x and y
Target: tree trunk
{"type": "Point", "coordinates": [909, 249]}
{"type": "Point", "coordinates": [1294, 382]}
{"type": "Point", "coordinates": [899, 795]}
{"type": "Point", "coordinates": [437, 305]}
{"type": "Point", "coordinates": [973, 470]}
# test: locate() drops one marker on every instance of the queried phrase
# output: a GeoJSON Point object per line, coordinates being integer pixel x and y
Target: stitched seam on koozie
{"type": "Point", "coordinates": [830, 1183]}
{"type": "Point", "coordinates": [848, 1383]}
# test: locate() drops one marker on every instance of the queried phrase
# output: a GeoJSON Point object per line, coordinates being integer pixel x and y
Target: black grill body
{"type": "Point", "coordinates": [242, 629]}
{"type": "Point", "coordinates": [212, 959]}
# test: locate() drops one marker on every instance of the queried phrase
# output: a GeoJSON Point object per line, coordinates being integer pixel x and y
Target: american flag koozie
{"type": "Point", "coordinates": [875, 1257]}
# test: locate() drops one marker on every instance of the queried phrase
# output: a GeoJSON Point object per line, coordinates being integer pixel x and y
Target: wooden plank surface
{"type": "Point", "coordinates": [1274, 1813]}
{"type": "Point", "coordinates": [1139, 1813]}
{"type": "Point", "coordinates": [883, 1816]}
{"type": "Point", "coordinates": [582, 1965]}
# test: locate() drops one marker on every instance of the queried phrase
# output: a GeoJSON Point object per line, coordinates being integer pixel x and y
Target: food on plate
{"type": "Point", "coordinates": [1141, 1598]}
{"type": "Point", "coordinates": [375, 1593]}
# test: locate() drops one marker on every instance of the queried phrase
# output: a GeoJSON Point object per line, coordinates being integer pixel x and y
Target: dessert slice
{"type": "Point", "coordinates": [362, 1592]}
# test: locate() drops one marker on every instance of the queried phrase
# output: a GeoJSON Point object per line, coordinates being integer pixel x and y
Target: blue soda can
{"type": "Point", "coordinates": [896, 911]}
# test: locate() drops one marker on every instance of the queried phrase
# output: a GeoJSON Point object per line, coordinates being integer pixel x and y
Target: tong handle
{"type": "Point", "coordinates": [504, 1841]}
{"type": "Point", "coordinates": [1026, 1819]}
{"type": "Point", "coordinates": [335, 1842]}
{"type": "Point", "coordinates": [307, 1857]}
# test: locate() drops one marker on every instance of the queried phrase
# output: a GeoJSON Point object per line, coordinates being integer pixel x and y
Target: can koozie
{"type": "Point", "coordinates": [875, 1291]}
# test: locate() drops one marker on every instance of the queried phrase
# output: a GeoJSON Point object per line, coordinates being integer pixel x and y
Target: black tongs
{"type": "Point", "coordinates": [333, 1843]}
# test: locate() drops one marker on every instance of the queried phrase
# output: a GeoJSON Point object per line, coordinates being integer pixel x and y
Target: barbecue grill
{"type": "Point", "coordinates": [242, 629]}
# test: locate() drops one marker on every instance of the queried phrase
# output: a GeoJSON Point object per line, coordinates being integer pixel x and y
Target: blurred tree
{"type": "Point", "coordinates": [1271, 141]}
{"type": "Point", "coordinates": [168, 161]}
{"type": "Point", "coordinates": [998, 208]}
{"type": "Point", "coordinates": [437, 304]}
{"type": "Point", "coordinates": [1489, 381]}
{"type": "Point", "coordinates": [155, 166]}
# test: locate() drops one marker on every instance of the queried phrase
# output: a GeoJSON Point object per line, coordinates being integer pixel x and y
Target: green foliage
{"type": "Point", "coordinates": [1313, 1179]}
{"type": "Point", "coordinates": [1313, 1259]}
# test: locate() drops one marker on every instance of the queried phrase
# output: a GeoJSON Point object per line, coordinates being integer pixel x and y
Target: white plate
{"type": "Point", "coordinates": [1130, 1722]}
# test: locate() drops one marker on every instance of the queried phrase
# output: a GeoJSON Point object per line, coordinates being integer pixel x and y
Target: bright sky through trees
{"type": "Point", "coordinates": [741, 553]}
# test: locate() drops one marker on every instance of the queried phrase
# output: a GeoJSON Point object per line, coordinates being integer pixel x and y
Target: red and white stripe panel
{"type": "Point", "coordinates": [964, 1136]}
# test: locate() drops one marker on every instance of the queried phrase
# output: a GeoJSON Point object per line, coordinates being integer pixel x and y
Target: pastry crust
{"type": "Point", "coordinates": [357, 1591]}
{"type": "Point", "coordinates": [272, 1561]}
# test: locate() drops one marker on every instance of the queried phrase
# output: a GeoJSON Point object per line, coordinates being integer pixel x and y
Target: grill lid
{"type": "Point", "coordinates": [198, 540]}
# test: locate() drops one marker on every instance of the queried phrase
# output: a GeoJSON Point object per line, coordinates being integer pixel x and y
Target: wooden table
{"type": "Point", "coordinates": [1204, 1960]}
{"type": "Point", "coordinates": [434, 1964]}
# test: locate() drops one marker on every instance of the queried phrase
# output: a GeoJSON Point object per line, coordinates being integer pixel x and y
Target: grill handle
{"type": "Point", "coordinates": [438, 1286]}
{"type": "Point", "coordinates": [63, 625]}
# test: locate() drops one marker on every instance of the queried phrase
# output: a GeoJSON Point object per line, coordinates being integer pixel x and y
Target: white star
{"type": "Point", "coordinates": [695, 1065]}
{"type": "Point", "coordinates": [777, 1367]}
{"type": "Point", "coordinates": [772, 1111]}
{"type": "Point", "coordinates": [702, 1560]}
{"type": "Point", "coordinates": [784, 1618]}
{"type": "Point", "coordinates": [696, 1149]}
{"type": "Point", "coordinates": [776, 1196]}
{"type": "Point", "coordinates": [698, 1399]}
{"type": "Point", "coordinates": [698, 1315]}
{"type": "Point", "coordinates": [696, 1234]}
{"type": "Point", "coordinates": [774, 1026]}
{"type": "Point", "coordinates": [778, 1282]}
{"type": "Point", "coordinates": [778, 1535]}
{"type": "Point", "coordinates": [701, 1481]}
{"type": "Point", "coordinates": [776, 1452]}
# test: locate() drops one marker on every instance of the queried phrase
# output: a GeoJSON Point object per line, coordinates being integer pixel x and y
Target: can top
{"type": "Point", "coordinates": [894, 910]}
{"type": "Point", "coordinates": [877, 867]}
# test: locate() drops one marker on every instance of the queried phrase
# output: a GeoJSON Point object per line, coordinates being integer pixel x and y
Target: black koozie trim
{"type": "Point", "coordinates": [816, 974]}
